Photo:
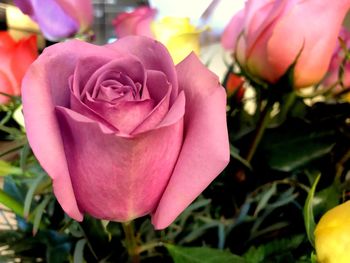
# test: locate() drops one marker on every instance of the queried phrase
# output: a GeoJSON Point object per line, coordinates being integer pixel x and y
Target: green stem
{"type": "Point", "coordinates": [340, 165]}
{"type": "Point", "coordinates": [149, 246]}
{"type": "Point", "coordinates": [131, 242]}
{"type": "Point", "coordinates": [88, 242]}
{"type": "Point", "coordinates": [261, 127]}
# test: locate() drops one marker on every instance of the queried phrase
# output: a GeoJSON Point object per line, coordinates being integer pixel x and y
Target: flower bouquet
{"type": "Point", "coordinates": [133, 150]}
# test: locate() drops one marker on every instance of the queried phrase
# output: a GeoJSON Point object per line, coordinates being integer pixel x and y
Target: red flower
{"type": "Point", "coordinates": [15, 58]}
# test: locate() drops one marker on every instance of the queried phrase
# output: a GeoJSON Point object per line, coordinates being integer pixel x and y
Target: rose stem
{"type": "Point", "coordinates": [264, 121]}
{"type": "Point", "coordinates": [261, 127]}
{"type": "Point", "coordinates": [130, 242]}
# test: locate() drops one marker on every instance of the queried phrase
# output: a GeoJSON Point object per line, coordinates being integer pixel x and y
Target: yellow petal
{"type": "Point", "coordinates": [332, 235]}
{"type": "Point", "coordinates": [178, 35]}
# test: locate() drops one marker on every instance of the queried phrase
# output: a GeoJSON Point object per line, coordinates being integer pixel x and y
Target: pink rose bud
{"type": "Point", "coordinates": [137, 22]}
{"type": "Point", "coordinates": [268, 35]}
{"type": "Point", "coordinates": [59, 18]}
{"type": "Point", "coordinates": [122, 131]}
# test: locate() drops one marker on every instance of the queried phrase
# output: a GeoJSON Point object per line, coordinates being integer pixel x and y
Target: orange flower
{"type": "Point", "coordinates": [15, 58]}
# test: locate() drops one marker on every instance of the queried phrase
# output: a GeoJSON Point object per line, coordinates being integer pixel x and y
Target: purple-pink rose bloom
{"type": "Point", "coordinates": [58, 19]}
{"type": "Point", "coordinates": [122, 131]}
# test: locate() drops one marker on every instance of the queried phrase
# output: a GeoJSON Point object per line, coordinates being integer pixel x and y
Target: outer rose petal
{"type": "Point", "coordinates": [299, 33]}
{"type": "Point", "coordinates": [131, 173]}
{"type": "Point", "coordinates": [265, 20]}
{"type": "Point", "coordinates": [205, 151]}
{"type": "Point", "coordinates": [233, 30]}
{"type": "Point", "coordinates": [251, 7]}
{"type": "Point", "coordinates": [45, 85]}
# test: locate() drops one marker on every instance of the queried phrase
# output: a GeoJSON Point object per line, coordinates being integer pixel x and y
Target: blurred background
{"type": "Point", "coordinates": [209, 16]}
{"type": "Point", "coordinates": [215, 13]}
{"type": "Point", "coordinates": [11, 18]}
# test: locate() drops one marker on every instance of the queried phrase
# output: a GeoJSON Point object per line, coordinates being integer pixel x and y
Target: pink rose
{"type": "Point", "coordinates": [122, 131]}
{"type": "Point", "coordinates": [15, 58]}
{"type": "Point", "coordinates": [267, 36]}
{"type": "Point", "coordinates": [137, 22]}
{"type": "Point", "coordinates": [59, 18]}
{"type": "Point", "coordinates": [337, 60]}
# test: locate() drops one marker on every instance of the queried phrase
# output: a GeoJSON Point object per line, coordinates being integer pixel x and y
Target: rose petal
{"type": "Point", "coordinates": [6, 41]}
{"type": "Point", "coordinates": [80, 10]}
{"type": "Point", "coordinates": [77, 83]}
{"type": "Point", "coordinates": [135, 23]}
{"type": "Point", "coordinates": [205, 151]}
{"type": "Point", "coordinates": [80, 107]}
{"type": "Point", "coordinates": [159, 89]}
{"type": "Point", "coordinates": [299, 36]}
{"type": "Point", "coordinates": [68, 15]}
{"type": "Point", "coordinates": [45, 86]}
{"type": "Point", "coordinates": [25, 6]}
{"type": "Point", "coordinates": [130, 176]}
{"type": "Point", "coordinates": [233, 30]}
{"type": "Point", "coordinates": [175, 113]}
{"type": "Point", "coordinates": [5, 87]}
{"type": "Point", "coordinates": [24, 55]}
{"type": "Point", "coordinates": [53, 20]}
{"type": "Point", "coordinates": [262, 17]}
{"type": "Point", "coordinates": [5, 65]}
{"type": "Point", "coordinates": [126, 116]}
{"type": "Point", "coordinates": [128, 66]}
{"type": "Point", "coordinates": [152, 54]}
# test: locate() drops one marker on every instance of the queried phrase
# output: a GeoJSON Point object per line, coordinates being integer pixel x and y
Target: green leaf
{"type": "Point", "coordinates": [309, 219]}
{"type": "Point", "coordinates": [30, 194]}
{"type": "Point", "coordinates": [11, 203]}
{"type": "Point", "coordinates": [327, 198]}
{"type": "Point", "coordinates": [6, 169]}
{"type": "Point", "coordinates": [265, 198]}
{"type": "Point", "coordinates": [235, 155]}
{"type": "Point", "coordinates": [12, 146]}
{"type": "Point", "coordinates": [201, 255]}
{"type": "Point", "coordinates": [255, 254]}
{"type": "Point", "coordinates": [39, 213]}
{"type": "Point", "coordinates": [269, 252]}
{"type": "Point", "coordinates": [198, 232]}
{"type": "Point", "coordinates": [78, 256]}
{"type": "Point", "coordinates": [313, 258]}
{"type": "Point", "coordinates": [58, 253]}
{"type": "Point", "coordinates": [24, 156]}
{"type": "Point", "coordinates": [296, 145]}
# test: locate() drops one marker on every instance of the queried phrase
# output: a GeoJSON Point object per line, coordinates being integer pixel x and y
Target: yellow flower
{"type": "Point", "coordinates": [178, 35]}
{"type": "Point", "coordinates": [332, 235]}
